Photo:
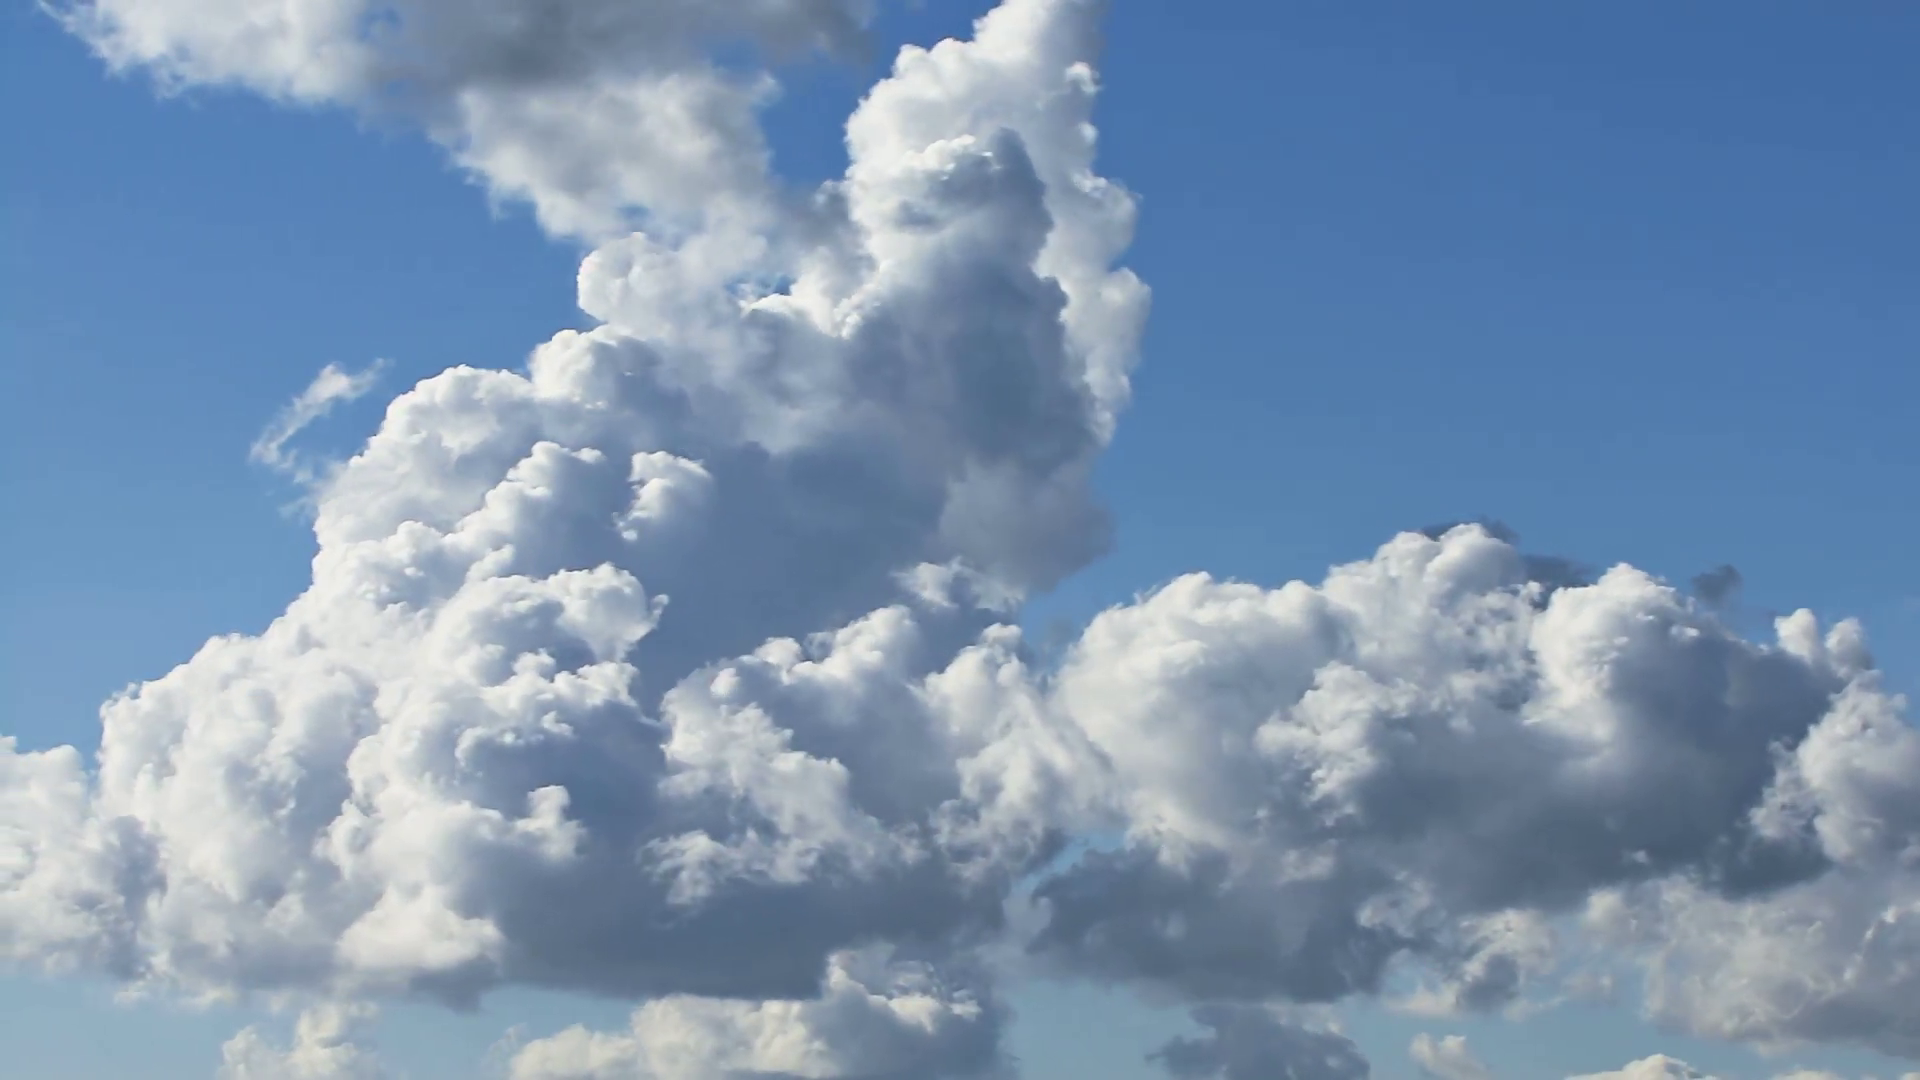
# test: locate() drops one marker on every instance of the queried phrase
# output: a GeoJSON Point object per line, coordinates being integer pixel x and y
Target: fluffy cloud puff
{"type": "Point", "coordinates": [1662, 1067]}
{"type": "Point", "coordinates": [877, 1017]}
{"type": "Point", "coordinates": [322, 1049]}
{"type": "Point", "coordinates": [1447, 1058]}
{"type": "Point", "coordinates": [1427, 755]}
{"type": "Point", "coordinates": [1657, 1067]}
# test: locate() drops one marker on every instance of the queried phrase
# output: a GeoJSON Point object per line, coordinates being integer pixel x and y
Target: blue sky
{"type": "Point", "coordinates": [1637, 279]}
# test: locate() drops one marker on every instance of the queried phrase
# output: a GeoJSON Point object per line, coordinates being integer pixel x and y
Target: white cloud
{"type": "Point", "coordinates": [1662, 1067]}
{"type": "Point", "coordinates": [1657, 1067]}
{"type": "Point", "coordinates": [329, 389]}
{"type": "Point", "coordinates": [876, 1017]}
{"type": "Point", "coordinates": [1447, 1058]}
{"type": "Point", "coordinates": [322, 1049]}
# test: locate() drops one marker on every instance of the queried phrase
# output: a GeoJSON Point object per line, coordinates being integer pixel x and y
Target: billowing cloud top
{"type": "Point", "coordinates": [677, 666]}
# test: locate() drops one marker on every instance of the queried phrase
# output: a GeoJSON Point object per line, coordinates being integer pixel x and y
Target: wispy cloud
{"type": "Point", "coordinates": [334, 386]}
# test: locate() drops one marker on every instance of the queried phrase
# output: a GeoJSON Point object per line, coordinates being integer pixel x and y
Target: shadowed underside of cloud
{"type": "Point", "coordinates": [1252, 1043]}
{"type": "Point", "coordinates": [677, 666]}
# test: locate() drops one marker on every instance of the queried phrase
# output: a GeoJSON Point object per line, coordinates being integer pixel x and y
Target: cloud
{"type": "Point", "coordinates": [322, 1049]}
{"type": "Point", "coordinates": [1426, 756]}
{"type": "Point", "coordinates": [1245, 1043]}
{"type": "Point", "coordinates": [602, 115]}
{"type": "Point", "coordinates": [675, 666]}
{"type": "Point", "coordinates": [1552, 571]}
{"type": "Point", "coordinates": [1657, 1067]}
{"type": "Point", "coordinates": [1447, 1058]}
{"type": "Point", "coordinates": [1717, 586]}
{"type": "Point", "coordinates": [1827, 959]}
{"type": "Point", "coordinates": [666, 667]}
{"type": "Point", "coordinates": [1662, 1067]}
{"type": "Point", "coordinates": [876, 1018]}
{"type": "Point", "coordinates": [1822, 1074]}
{"type": "Point", "coordinates": [331, 388]}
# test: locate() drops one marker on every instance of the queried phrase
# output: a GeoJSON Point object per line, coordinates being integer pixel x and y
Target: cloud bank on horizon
{"type": "Point", "coordinates": [679, 666]}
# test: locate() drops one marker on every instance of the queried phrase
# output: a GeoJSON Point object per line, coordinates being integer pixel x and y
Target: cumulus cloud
{"type": "Point", "coordinates": [668, 666]}
{"type": "Point", "coordinates": [50, 900]}
{"type": "Point", "coordinates": [334, 386]}
{"type": "Point", "coordinates": [1447, 1058]}
{"type": "Point", "coordinates": [1657, 1067]}
{"type": "Point", "coordinates": [877, 1017]}
{"type": "Point", "coordinates": [1822, 1074]}
{"type": "Point", "coordinates": [1662, 1067]}
{"type": "Point", "coordinates": [1424, 756]}
{"type": "Point", "coordinates": [1826, 959]}
{"type": "Point", "coordinates": [677, 665]}
{"type": "Point", "coordinates": [323, 1048]}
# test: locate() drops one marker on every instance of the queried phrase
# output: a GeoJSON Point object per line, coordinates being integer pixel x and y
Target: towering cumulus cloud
{"type": "Point", "coordinates": [678, 666]}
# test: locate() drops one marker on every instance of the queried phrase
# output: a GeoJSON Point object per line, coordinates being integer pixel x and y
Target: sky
{"type": "Point", "coordinates": [1633, 283]}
